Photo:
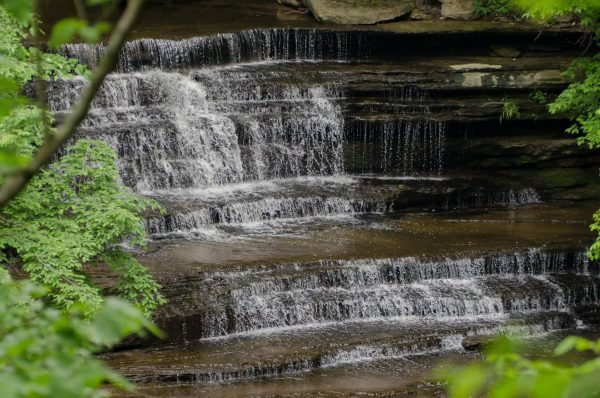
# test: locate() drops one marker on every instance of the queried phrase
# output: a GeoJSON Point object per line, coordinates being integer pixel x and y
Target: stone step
{"type": "Point", "coordinates": [238, 205]}
{"type": "Point", "coordinates": [295, 351]}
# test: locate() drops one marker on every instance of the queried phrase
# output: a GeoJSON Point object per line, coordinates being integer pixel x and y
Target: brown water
{"type": "Point", "coordinates": [364, 357]}
{"type": "Point", "coordinates": [411, 235]}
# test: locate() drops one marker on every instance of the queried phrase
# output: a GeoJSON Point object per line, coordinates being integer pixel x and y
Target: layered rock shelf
{"type": "Point", "coordinates": [345, 203]}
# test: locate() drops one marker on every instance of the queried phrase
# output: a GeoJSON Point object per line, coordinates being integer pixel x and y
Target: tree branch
{"type": "Point", "coordinates": [80, 9]}
{"type": "Point", "coordinates": [15, 183]}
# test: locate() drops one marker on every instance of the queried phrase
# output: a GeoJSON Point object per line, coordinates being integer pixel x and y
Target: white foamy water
{"type": "Point", "coordinates": [254, 45]}
{"type": "Point", "coordinates": [174, 131]}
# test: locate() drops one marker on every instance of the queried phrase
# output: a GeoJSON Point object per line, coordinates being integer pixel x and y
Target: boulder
{"type": "Point", "coordinates": [289, 15]}
{"type": "Point", "coordinates": [358, 12]}
{"type": "Point", "coordinates": [420, 15]}
{"type": "Point", "coordinates": [292, 3]}
{"type": "Point", "coordinates": [459, 9]}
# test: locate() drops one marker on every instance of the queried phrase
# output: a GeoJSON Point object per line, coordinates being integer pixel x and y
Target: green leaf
{"type": "Point", "coordinates": [8, 85]}
{"type": "Point", "coordinates": [573, 342]}
{"type": "Point", "coordinates": [22, 10]}
{"type": "Point", "coordinates": [468, 382]}
{"type": "Point", "coordinates": [65, 30]}
{"type": "Point", "coordinates": [46, 353]}
{"type": "Point", "coordinates": [7, 105]}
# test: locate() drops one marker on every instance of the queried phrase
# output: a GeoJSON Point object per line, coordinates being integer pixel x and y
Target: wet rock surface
{"type": "Point", "coordinates": [458, 9]}
{"type": "Point", "coordinates": [344, 208]}
{"type": "Point", "coordinates": [358, 12]}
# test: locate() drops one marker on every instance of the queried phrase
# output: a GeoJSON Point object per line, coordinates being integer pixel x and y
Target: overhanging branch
{"type": "Point", "coordinates": [16, 182]}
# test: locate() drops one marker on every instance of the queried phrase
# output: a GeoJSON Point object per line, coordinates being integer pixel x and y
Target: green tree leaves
{"type": "Point", "coordinates": [22, 11]}
{"type": "Point", "coordinates": [18, 63]}
{"type": "Point", "coordinates": [45, 352]}
{"type": "Point", "coordinates": [581, 100]}
{"type": "Point", "coordinates": [70, 28]}
{"type": "Point", "coordinates": [74, 213]}
{"type": "Point", "coordinates": [21, 121]}
{"type": "Point", "coordinates": [506, 373]}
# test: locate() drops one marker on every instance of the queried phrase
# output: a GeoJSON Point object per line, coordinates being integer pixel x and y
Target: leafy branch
{"type": "Point", "coordinates": [16, 181]}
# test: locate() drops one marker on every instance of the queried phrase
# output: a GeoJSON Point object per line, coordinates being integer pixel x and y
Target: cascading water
{"type": "Point", "coordinates": [198, 128]}
{"type": "Point", "coordinates": [172, 130]}
{"type": "Point", "coordinates": [233, 130]}
{"type": "Point", "coordinates": [404, 146]}
{"type": "Point", "coordinates": [360, 290]}
{"type": "Point", "coordinates": [247, 46]}
{"type": "Point", "coordinates": [260, 210]}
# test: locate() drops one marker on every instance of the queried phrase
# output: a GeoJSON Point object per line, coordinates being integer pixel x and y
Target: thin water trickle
{"type": "Point", "coordinates": [246, 46]}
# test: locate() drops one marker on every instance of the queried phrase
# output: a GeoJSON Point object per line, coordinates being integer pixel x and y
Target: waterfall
{"type": "Point", "coordinates": [193, 128]}
{"type": "Point", "coordinates": [254, 211]}
{"type": "Point", "coordinates": [342, 291]}
{"type": "Point", "coordinates": [285, 151]}
{"type": "Point", "coordinates": [247, 46]}
{"type": "Point", "coordinates": [404, 146]}
{"type": "Point", "coordinates": [174, 130]}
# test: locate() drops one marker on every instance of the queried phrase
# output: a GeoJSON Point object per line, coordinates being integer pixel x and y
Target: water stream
{"type": "Point", "coordinates": [301, 235]}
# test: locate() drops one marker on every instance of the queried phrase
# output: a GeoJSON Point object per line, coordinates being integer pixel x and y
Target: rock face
{"type": "Point", "coordinates": [358, 12]}
{"type": "Point", "coordinates": [459, 9]}
{"type": "Point", "coordinates": [292, 3]}
{"type": "Point", "coordinates": [419, 15]}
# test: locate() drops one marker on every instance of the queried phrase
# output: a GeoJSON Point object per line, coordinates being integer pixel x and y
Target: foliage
{"type": "Point", "coordinates": [21, 121]}
{"type": "Point", "coordinates": [491, 8]}
{"type": "Point", "coordinates": [19, 63]}
{"type": "Point", "coordinates": [588, 11]}
{"type": "Point", "coordinates": [510, 110]}
{"type": "Point", "coordinates": [74, 214]}
{"type": "Point", "coordinates": [581, 100]}
{"type": "Point", "coordinates": [47, 353]}
{"type": "Point", "coordinates": [69, 28]}
{"type": "Point", "coordinates": [506, 373]}
{"type": "Point", "coordinates": [539, 96]}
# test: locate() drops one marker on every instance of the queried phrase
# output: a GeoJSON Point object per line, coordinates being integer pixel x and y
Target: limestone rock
{"type": "Point", "coordinates": [420, 15]}
{"type": "Point", "coordinates": [289, 15]}
{"type": "Point", "coordinates": [292, 3]}
{"type": "Point", "coordinates": [459, 9]}
{"type": "Point", "coordinates": [358, 12]}
{"type": "Point", "coordinates": [476, 66]}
